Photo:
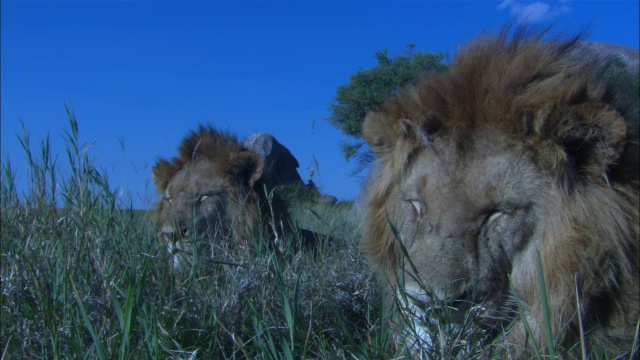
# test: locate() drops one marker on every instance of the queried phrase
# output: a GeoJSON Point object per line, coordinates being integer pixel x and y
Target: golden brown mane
{"type": "Point", "coordinates": [205, 142]}
{"type": "Point", "coordinates": [532, 95]}
{"type": "Point", "coordinates": [242, 173]}
{"type": "Point", "coordinates": [492, 82]}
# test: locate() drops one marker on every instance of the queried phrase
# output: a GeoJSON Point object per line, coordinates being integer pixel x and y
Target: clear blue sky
{"type": "Point", "coordinates": [147, 72]}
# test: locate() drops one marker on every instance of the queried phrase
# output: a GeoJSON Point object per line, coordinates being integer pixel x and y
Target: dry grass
{"type": "Point", "coordinates": [83, 276]}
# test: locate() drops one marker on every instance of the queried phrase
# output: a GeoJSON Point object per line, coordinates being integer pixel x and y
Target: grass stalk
{"type": "Point", "coordinates": [545, 307]}
{"type": "Point", "coordinates": [84, 276]}
{"type": "Point", "coordinates": [97, 343]}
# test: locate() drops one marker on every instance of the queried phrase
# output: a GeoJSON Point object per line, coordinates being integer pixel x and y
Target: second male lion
{"type": "Point", "coordinates": [213, 191]}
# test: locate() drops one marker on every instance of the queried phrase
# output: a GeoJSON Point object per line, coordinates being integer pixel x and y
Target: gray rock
{"type": "Point", "coordinates": [280, 166]}
{"type": "Point", "coordinates": [606, 51]}
{"type": "Point", "coordinates": [327, 200]}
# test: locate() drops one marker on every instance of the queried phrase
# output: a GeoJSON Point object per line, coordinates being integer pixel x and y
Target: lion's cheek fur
{"type": "Point", "coordinates": [441, 267]}
{"type": "Point", "coordinates": [243, 213]}
{"type": "Point", "coordinates": [589, 281]}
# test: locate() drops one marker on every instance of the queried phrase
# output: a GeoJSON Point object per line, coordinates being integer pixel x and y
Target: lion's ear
{"type": "Point", "coordinates": [384, 134]}
{"type": "Point", "coordinates": [161, 173]}
{"type": "Point", "coordinates": [590, 139]}
{"type": "Point", "coordinates": [246, 167]}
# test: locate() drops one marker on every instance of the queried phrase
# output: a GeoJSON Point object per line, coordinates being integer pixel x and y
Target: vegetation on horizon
{"type": "Point", "coordinates": [368, 88]}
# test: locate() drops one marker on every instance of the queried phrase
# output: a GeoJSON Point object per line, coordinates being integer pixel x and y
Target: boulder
{"type": "Point", "coordinates": [280, 166]}
{"type": "Point", "coordinates": [327, 200]}
{"type": "Point", "coordinates": [606, 51]}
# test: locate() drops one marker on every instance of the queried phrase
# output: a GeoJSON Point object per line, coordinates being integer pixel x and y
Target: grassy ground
{"type": "Point", "coordinates": [82, 276]}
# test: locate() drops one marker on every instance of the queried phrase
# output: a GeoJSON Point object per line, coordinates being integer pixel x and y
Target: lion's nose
{"type": "Point", "coordinates": [169, 232]}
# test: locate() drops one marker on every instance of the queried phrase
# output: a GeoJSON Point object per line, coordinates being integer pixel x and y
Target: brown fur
{"type": "Point", "coordinates": [215, 187]}
{"type": "Point", "coordinates": [519, 148]}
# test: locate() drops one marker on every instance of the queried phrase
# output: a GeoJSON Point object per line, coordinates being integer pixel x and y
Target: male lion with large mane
{"type": "Point", "coordinates": [518, 150]}
{"type": "Point", "coordinates": [216, 189]}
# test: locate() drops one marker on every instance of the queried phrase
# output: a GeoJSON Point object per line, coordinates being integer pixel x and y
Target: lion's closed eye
{"type": "Point", "coordinates": [494, 216]}
{"type": "Point", "coordinates": [417, 206]}
{"type": "Point", "coordinates": [206, 197]}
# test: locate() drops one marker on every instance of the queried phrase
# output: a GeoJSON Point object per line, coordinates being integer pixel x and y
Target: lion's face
{"type": "Point", "coordinates": [516, 151]}
{"type": "Point", "coordinates": [207, 197]}
{"type": "Point", "coordinates": [463, 220]}
{"type": "Point", "coordinates": [195, 201]}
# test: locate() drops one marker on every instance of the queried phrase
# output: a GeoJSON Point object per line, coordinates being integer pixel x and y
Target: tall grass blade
{"type": "Point", "coordinates": [289, 314]}
{"type": "Point", "coordinates": [4, 352]}
{"type": "Point", "coordinates": [133, 298]}
{"type": "Point", "coordinates": [583, 340]}
{"type": "Point", "coordinates": [9, 194]}
{"type": "Point", "coordinates": [117, 308]}
{"type": "Point", "coordinates": [296, 289]}
{"type": "Point", "coordinates": [545, 307]}
{"type": "Point", "coordinates": [267, 348]}
{"type": "Point", "coordinates": [96, 340]}
{"type": "Point", "coordinates": [523, 316]}
{"type": "Point", "coordinates": [634, 347]}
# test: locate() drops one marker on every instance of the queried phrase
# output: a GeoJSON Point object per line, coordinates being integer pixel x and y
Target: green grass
{"type": "Point", "coordinates": [83, 276]}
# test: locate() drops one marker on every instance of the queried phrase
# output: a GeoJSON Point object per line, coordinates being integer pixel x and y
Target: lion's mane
{"type": "Point", "coordinates": [241, 173]}
{"type": "Point", "coordinates": [554, 110]}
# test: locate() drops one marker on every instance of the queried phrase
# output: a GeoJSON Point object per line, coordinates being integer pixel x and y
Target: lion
{"type": "Point", "coordinates": [518, 153]}
{"type": "Point", "coordinates": [215, 188]}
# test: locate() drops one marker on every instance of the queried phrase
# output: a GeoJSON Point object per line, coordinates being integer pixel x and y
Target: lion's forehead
{"type": "Point", "coordinates": [196, 180]}
{"type": "Point", "coordinates": [445, 175]}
